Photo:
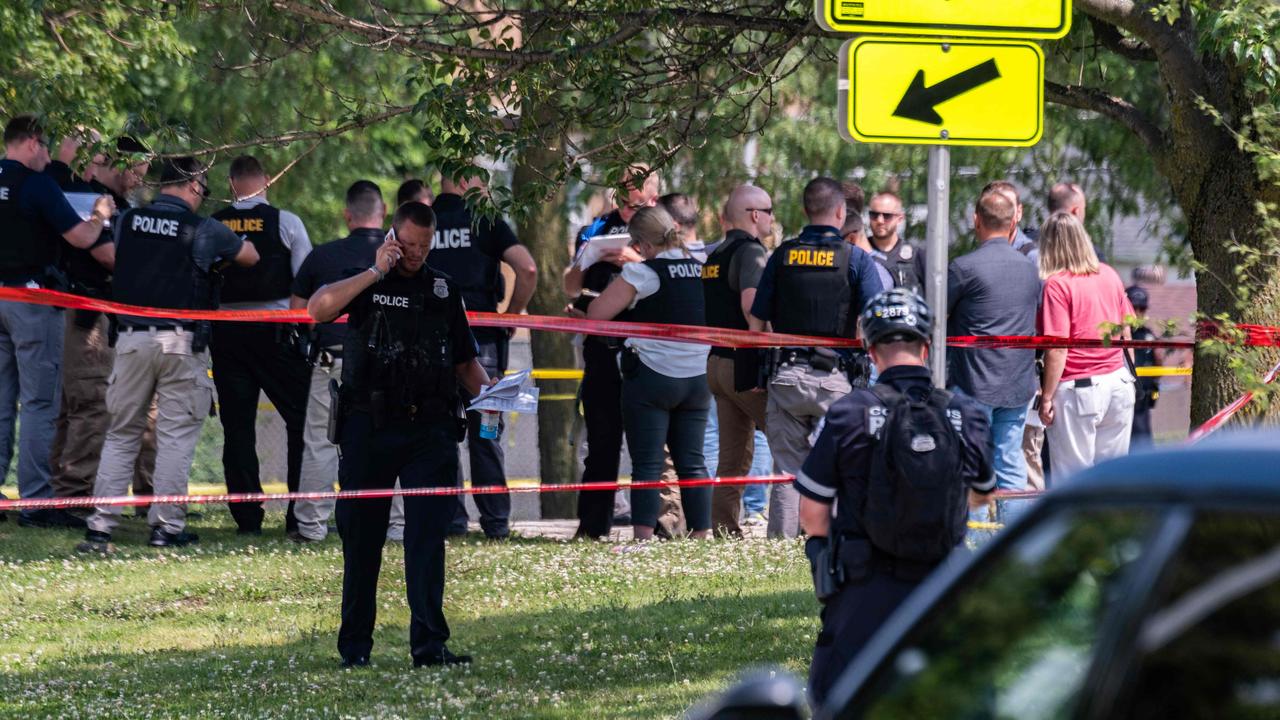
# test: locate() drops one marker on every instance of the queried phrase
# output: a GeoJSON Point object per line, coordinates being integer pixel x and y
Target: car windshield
{"type": "Point", "coordinates": [1016, 640]}
{"type": "Point", "coordinates": [1211, 648]}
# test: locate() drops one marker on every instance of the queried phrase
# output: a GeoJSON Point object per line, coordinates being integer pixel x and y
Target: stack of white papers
{"type": "Point", "coordinates": [513, 393]}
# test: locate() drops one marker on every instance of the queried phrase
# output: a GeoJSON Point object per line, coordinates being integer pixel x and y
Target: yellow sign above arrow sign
{"type": "Point", "coordinates": [1044, 19]}
{"type": "Point", "coordinates": [955, 92]}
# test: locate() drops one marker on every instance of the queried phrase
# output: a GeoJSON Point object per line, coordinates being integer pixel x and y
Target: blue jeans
{"type": "Point", "coordinates": [756, 496]}
{"type": "Point", "coordinates": [1007, 425]}
{"type": "Point", "coordinates": [30, 378]}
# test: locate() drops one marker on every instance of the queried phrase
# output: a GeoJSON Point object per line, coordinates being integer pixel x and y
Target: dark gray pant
{"type": "Point", "coordinates": [665, 412]}
{"type": "Point", "coordinates": [487, 466]}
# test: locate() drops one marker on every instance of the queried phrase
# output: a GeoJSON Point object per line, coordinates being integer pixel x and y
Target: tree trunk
{"type": "Point", "coordinates": [1222, 213]}
{"type": "Point", "coordinates": [543, 232]}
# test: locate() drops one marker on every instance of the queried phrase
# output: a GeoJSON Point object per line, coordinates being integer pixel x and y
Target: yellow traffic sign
{"type": "Point", "coordinates": [1044, 19]}
{"type": "Point", "coordinates": [954, 92]}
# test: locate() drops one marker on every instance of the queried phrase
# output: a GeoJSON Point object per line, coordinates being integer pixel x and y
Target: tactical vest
{"type": "Point", "coordinates": [398, 361]}
{"type": "Point", "coordinates": [455, 252]}
{"type": "Point", "coordinates": [811, 294]}
{"type": "Point", "coordinates": [272, 276]}
{"type": "Point", "coordinates": [678, 300]}
{"type": "Point", "coordinates": [30, 246]}
{"type": "Point", "coordinates": [597, 277]}
{"type": "Point", "coordinates": [902, 270]}
{"type": "Point", "coordinates": [724, 304]}
{"type": "Point", "coordinates": [154, 263]}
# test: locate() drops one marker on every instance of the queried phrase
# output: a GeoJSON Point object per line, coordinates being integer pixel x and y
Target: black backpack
{"type": "Point", "coordinates": [916, 502]}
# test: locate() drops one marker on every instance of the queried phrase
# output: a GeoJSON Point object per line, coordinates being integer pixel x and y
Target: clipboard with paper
{"type": "Point", "coordinates": [596, 247]}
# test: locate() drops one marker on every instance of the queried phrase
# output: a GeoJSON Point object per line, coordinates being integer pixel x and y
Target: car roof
{"type": "Point", "coordinates": [1230, 465]}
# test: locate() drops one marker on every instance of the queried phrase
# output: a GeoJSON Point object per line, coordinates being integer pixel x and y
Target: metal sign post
{"type": "Point", "coordinates": [937, 234]}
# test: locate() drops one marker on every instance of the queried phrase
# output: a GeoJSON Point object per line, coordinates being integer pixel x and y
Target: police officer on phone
{"type": "Point", "coordinates": [884, 491]}
{"type": "Point", "coordinates": [407, 350]}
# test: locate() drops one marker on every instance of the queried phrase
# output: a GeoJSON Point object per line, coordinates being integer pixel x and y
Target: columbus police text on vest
{"type": "Point", "coordinates": [685, 270]}
{"type": "Point", "coordinates": [451, 239]}
{"type": "Point", "coordinates": [812, 258]}
{"type": "Point", "coordinates": [155, 226]}
{"type": "Point", "coordinates": [391, 300]}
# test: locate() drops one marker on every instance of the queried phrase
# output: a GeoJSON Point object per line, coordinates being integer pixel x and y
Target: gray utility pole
{"type": "Point", "coordinates": [937, 235]}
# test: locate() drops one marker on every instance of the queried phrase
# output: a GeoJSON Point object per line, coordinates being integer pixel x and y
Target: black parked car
{"type": "Point", "coordinates": [1147, 587]}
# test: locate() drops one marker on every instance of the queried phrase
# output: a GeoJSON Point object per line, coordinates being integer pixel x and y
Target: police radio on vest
{"type": "Point", "coordinates": [391, 300]}
{"type": "Point", "coordinates": [155, 226]}
{"type": "Point", "coordinates": [451, 239]}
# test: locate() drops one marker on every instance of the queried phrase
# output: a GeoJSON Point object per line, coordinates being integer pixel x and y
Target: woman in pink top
{"type": "Point", "coordinates": [1087, 394]}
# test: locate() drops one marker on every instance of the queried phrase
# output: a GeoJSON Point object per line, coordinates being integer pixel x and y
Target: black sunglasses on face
{"type": "Point", "coordinates": [878, 215]}
{"type": "Point", "coordinates": [766, 211]}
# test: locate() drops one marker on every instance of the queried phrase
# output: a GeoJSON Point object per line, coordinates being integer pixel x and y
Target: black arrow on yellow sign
{"type": "Point", "coordinates": [919, 101]}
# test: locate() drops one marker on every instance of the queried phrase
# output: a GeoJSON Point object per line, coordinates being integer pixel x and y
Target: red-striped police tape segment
{"type": "Point", "coordinates": [208, 499]}
{"type": "Point", "coordinates": [1253, 335]}
{"type": "Point", "coordinates": [140, 500]}
{"type": "Point", "coordinates": [1222, 416]}
{"type": "Point", "coordinates": [1249, 335]}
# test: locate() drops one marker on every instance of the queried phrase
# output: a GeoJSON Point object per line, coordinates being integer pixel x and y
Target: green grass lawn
{"type": "Point", "coordinates": [246, 628]}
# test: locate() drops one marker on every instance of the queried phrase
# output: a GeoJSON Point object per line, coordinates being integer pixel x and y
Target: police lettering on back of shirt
{"type": "Point", "coordinates": [469, 249]}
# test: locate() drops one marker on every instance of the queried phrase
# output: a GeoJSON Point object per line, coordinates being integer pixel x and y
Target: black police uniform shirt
{"type": "Point", "coordinates": [838, 465]}
{"type": "Point", "coordinates": [904, 263]}
{"type": "Point", "coordinates": [80, 263]}
{"type": "Point", "coordinates": [395, 296]}
{"type": "Point", "coordinates": [37, 201]}
{"type": "Point", "coordinates": [213, 244]}
{"type": "Point", "coordinates": [330, 263]}
{"type": "Point", "coordinates": [469, 250]}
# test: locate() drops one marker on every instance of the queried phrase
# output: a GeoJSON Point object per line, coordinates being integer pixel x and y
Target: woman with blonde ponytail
{"type": "Point", "coordinates": [665, 398]}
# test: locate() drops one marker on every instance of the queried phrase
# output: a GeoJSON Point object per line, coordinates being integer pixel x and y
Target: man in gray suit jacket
{"type": "Point", "coordinates": [994, 290]}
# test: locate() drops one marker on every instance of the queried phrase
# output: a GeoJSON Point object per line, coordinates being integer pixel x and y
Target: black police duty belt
{"type": "Point", "coordinates": [820, 359]}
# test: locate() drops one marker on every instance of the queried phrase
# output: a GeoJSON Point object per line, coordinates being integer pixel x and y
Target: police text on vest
{"type": "Point", "coordinates": [155, 226]}
{"type": "Point", "coordinates": [391, 300]}
{"type": "Point", "coordinates": [685, 270]}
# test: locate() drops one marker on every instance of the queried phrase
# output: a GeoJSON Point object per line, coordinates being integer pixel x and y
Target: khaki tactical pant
{"type": "Point", "coordinates": [799, 397]}
{"type": "Point", "coordinates": [151, 364]}
{"type": "Point", "coordinates": [739, 415]}
{"type": "Point", "coordinates": [86, 367]}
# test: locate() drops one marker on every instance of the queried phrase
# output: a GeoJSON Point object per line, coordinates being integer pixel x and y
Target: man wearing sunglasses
{"type": "Point", "coordinates": [165, 253]}
{"type": "Point", "coordinates": [903, 261]}
{"type": "Point", "coordinates": [37, 220]}
{"type": "Point", "coordinates": [729, 280]}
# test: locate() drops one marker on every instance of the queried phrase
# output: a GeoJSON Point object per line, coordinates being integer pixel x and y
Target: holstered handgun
{"type": "Point", "coordinates": [857, 366]}
{"type": "Point", "coordinates": [335, 411]}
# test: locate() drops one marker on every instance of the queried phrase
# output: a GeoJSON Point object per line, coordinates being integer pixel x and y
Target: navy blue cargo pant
{"type": "Point", "coordinates": [421, 455]}
{"type": "Point", "coordinates": [487, 468]}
